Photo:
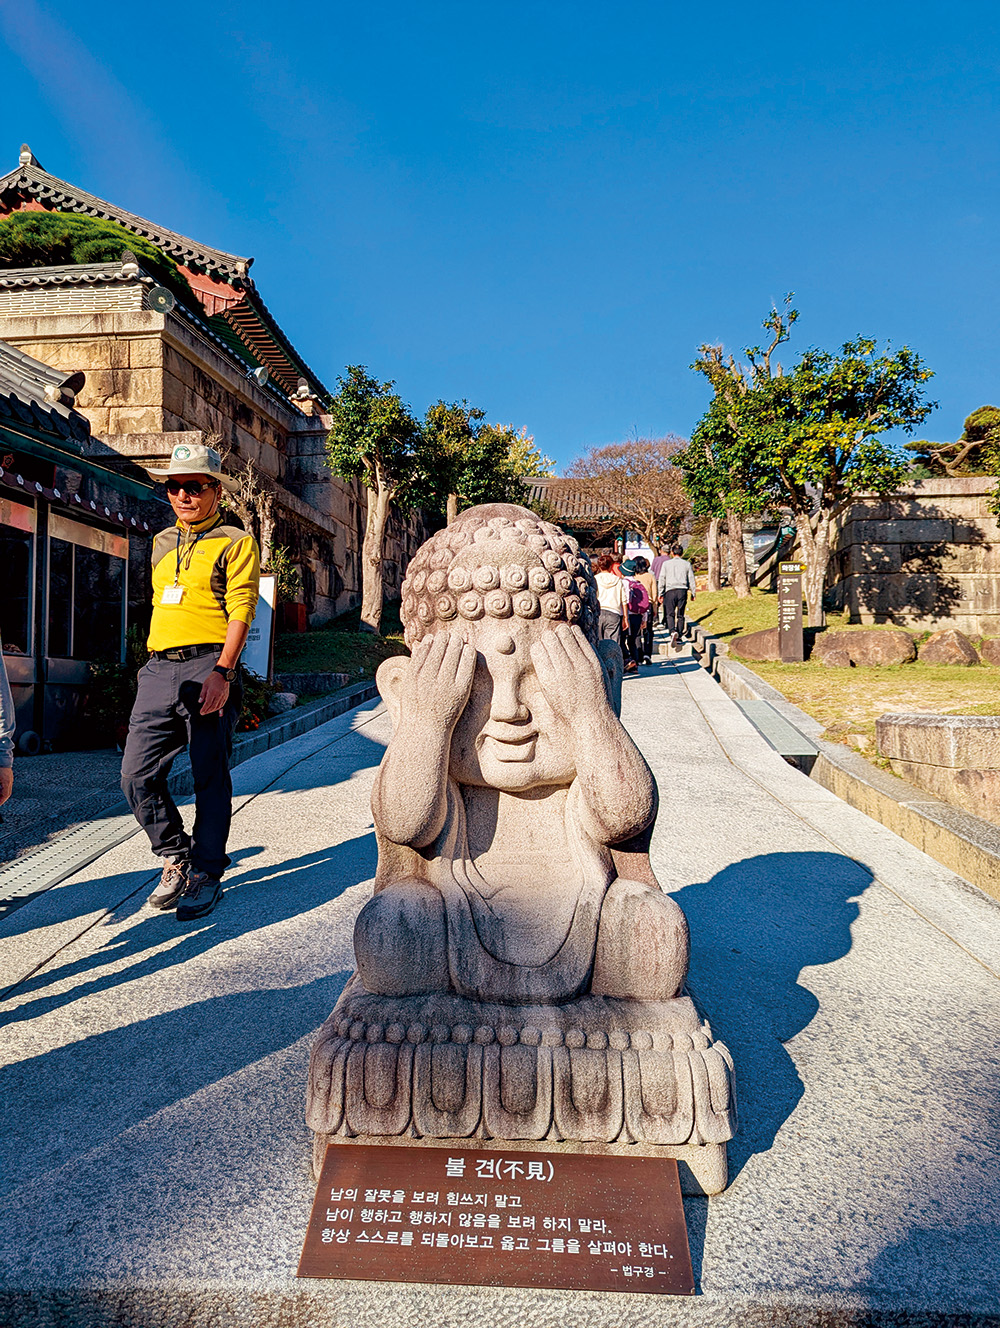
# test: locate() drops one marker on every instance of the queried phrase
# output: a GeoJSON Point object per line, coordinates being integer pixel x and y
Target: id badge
{"type": "Point", "coordinates": [172, 595]}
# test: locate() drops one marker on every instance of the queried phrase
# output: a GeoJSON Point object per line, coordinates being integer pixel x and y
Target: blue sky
{"type": "Point", "coordinates": [546, 207]}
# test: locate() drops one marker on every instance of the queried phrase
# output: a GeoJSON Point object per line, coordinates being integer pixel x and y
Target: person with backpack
{"type": "Point", "coordinates": [638, 607]}
{"type": "Point", "coordinates": [646, 577]}
{"type": "Point", "coordinates": [676, 582]}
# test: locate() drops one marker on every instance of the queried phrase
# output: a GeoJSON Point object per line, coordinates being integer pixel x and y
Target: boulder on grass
{"type": "Point", "coordinates": [864, 649]}
{"type": "Point", "coordinates": [836, 659]}
{"type": "Point", "coordinates": [760, 646]}
{"type": "Point", "coordinates": [282, 701]}
{"type": "Point", "coordinates": [990, 651]}
{"type": "Point", "coordinates": [948, 647]}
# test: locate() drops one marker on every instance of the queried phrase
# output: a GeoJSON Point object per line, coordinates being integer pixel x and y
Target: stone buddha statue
{"type": "Point", "coordinates": [514, 908]}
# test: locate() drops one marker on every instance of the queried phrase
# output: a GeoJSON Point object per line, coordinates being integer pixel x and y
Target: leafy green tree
{"type": "Point", "coordinates": [725, 473]}
{"type": "Point", "coordinates": [373, 437]}
{"type": "Point", "coordinates": [464, 462]}
{"type": "Point", "coordinates": [821, 426]}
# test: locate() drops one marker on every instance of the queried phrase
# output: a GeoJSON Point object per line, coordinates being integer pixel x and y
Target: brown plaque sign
{"type": "Point", "coordinates": [790, 613]}
{"type": "Point", "coordinates": [497, 1218]}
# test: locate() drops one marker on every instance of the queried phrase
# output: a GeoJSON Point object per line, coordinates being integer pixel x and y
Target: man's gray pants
{"type": "Point", "coordinates": [166, 718]}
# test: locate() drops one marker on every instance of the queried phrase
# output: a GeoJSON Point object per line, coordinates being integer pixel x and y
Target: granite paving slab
{"type": "Point", "coordinates": [155, 1159]}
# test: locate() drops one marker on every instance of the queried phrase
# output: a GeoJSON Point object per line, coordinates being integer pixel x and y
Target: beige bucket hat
{"type": "Point", "coordinates": [195, 459]}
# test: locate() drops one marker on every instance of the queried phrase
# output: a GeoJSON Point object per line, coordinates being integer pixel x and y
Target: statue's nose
{"type": "Point", "coordinates": [506, 706]}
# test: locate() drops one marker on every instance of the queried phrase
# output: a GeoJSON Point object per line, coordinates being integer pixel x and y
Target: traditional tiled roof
{"type": "Point", "coordinates": [36, 409]}
{"type": "Point", "coordinates": [57, 195]}
{"type": "Point", "coordinates": [70, 274]}
{"type": "Point", "coordinates": [245, 326]}
{"type": "Point", "coordinates": [258, 330]}
{"type": "Point", "coordinates": [39, 396]}
{"type": "Point", "coordinates": [576, 501]}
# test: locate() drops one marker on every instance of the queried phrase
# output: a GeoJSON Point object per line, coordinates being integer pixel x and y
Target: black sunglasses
{"type": "Point", "coordinates": [192, 487]}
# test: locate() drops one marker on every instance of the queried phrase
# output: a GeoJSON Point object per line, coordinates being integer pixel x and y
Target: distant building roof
{"type": "Point", "coordinates": [576, 502]}
{"type": "Point", "coordinates": [58, 196]}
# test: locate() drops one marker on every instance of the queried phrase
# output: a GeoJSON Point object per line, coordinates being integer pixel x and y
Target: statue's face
{"type": "Point", "coordinates": [508, 737]}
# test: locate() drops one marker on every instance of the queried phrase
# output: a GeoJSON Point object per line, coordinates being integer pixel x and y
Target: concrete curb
{"type": "Point", "coordinates": [964, 844]}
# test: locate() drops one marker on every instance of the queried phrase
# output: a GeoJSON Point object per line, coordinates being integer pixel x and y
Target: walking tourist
{"type": "Point", "coordinates": [676, 581]}
{"type": "Point", "coordinates": [612, 599]}
{"type": "Point", "coordinates": [206, 577]}
{"type": "Point", "coordinates": [638, 605]}
{"type": "Point", "coordinates": [646, 577]}
{"type": "Point", "coordinates": [6, 734]}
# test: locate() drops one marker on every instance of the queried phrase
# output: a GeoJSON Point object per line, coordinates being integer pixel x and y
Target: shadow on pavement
{"type": "Point", "coordinates": [754, 927]}
{"type": "Point", "coordinates": [253, 899]}
{"type": "Point", "coordinates": [76, 1097]}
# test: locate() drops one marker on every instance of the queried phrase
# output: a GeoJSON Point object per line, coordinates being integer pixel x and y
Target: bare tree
{"type": "Point", "coordinates": [636, 486]}
{"type": "Point", "coordinates": [254, 504]}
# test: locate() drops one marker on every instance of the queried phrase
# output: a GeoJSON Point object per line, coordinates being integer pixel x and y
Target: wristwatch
{"type": "Point", "coordinates": [228, 674]}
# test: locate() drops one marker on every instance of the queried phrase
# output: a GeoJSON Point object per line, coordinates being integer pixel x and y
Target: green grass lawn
{"type": "Point", "coordinates": [849, 701]}
{"type": "Point", "coordinates": [341, 648]}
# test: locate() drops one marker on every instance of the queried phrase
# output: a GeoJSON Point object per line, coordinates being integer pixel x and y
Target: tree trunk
{"type": "Point", "coordinates": [714, 546]}
{"type": "Point", "coordinates": [816, 549]}
{"type": "Point", "coordinates": [452, 510]}
{"type": "Point", "coordinates": [266, 524]}
{"type": "Point", "coordinates": [738, 578]}
{"type": "Point", "coordinates": [371, 557]}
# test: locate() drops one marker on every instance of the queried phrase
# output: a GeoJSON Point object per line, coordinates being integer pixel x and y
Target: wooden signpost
{"type": "Point", "coordinates": [790, 640]}
{"type": "Point", "coordinates": [489, 1217]}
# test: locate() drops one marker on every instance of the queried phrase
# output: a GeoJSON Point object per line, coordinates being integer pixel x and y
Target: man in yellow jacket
{"type": "Point", "coordinates": [206, 579]}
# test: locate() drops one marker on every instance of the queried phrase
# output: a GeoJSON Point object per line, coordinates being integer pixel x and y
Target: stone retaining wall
{"type": "Point", "coordinates": [927, 557]}
{"type": "Point", "coordinates": [955, 757]}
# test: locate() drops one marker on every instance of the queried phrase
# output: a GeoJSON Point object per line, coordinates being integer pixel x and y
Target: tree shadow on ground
{"type": "Point", "coordinates": [754, 927]}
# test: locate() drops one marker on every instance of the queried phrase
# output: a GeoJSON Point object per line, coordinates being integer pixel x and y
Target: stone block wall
{"type": "Point", "coordinates": [151, 376]}
{"type": "Point", "coordinates": [926, 557]}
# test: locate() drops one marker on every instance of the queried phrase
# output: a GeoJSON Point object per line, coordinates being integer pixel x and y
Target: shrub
{"type": "Point", "coordinates": [51, 239]}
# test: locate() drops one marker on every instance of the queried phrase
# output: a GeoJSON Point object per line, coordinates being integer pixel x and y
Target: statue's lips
{"type": "Point", "coordinates": [514, 746]}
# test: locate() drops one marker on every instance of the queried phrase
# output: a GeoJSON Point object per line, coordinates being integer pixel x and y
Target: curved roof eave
{"type": "Point", "coordinates": [60, 196]}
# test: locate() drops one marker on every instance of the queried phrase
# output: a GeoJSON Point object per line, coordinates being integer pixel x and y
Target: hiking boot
{"type": "Point", "coordinates": [200, 895]}
{"type": "Point", "coordinates": [173, 880]}
{"type": "Point", "coordinates": [675, 640]}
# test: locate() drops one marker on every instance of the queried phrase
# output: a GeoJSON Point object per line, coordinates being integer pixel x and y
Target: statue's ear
{"type": "Point", "coordinates": [613, 667]}
{"type": "Point", "coordinates": [389, 680]}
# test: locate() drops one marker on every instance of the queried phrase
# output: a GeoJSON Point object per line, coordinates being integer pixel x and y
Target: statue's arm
{"type": "Point", "coordinates": [615, 783]}
{"type": "Point", "coordinates": [425, 695]}
{"type": "Point", "coordinates": [618, 794]}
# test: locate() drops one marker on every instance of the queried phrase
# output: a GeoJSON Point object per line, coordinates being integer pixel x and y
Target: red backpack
{"type": "Point", "coordinates": [638, 597]}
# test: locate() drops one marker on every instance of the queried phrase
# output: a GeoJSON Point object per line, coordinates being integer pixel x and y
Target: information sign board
{"type": "Point", "coordinates": [257, 652]}
{"type": "Point", "coordinates": [790, 642]}
{"type": "Point", "coordinates": [496, 1218]}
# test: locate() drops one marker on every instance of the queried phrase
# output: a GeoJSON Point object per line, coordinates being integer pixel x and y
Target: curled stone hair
{"type": "Point", "coordinates": [499, 561]}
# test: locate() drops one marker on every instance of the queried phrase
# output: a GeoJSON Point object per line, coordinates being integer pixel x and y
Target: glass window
{"type": "Point", "coordinates": [99, 583]}
{"type": "Point", "coordinates": [15, 602]}
{"type": "Point", "coordinates": [60, 641]}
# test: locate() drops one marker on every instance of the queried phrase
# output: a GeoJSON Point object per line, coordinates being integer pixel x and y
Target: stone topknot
{"type": "Point", "coordinates": [499, 560]}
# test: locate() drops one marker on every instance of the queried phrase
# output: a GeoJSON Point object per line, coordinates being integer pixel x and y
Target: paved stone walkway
{"type": "Point", "coordinates": [156, 1164]}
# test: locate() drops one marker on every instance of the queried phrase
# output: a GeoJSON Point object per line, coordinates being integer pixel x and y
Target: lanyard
{"type": "Point", "coordinates": [189, 551]}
